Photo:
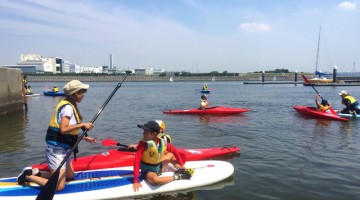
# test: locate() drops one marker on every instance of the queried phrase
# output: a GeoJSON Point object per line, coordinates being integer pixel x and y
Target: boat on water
{"type": "Point", "coordinates": [320, 80]}
{"type": "Point", "coordinates": [217, 110]}
{"type": "Point", "coordinates": [205, 91]}
{"type": "Point", "coordinates": [125, 157]}
{"type": "Point", "coordinates": [314, 113]}
{"type": "Point", "coordinates": [32, 95]}
{"type": "Point", "coordinates": [318, 72]}
{"type": "Point", "coordinates": [117, 183]}
{"type": "Point", "coordinates": [51, 93]}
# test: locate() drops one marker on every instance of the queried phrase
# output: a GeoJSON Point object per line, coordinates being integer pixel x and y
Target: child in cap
{"type": "Point", "coordinates": [151, 160]}
{"type": "Point", "coordinates": [204, 103]}
{"type": "Point", "coordinates": [324, 106]}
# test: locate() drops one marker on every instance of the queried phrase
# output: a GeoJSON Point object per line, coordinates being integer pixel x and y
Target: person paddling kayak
{"type": "Point", "coordinates": [204, 103]}
{"type": "Point", "coordinates": [324, 106]}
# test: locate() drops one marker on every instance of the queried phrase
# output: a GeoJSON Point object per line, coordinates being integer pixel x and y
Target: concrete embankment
{"type": "Point", "coordinates": [137, 78]}
{"type": "Point", "coordinates": [11, 98]}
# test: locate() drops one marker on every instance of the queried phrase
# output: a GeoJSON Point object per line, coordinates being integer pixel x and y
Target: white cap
{"type": "Point", "coordinates": [343, 93]}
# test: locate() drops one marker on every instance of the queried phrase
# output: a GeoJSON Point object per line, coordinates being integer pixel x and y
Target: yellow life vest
{"type": "Point", "coordinates": [28, 90]}
{"type": "Point", "coordinates": [350, 98]}
{"type": "Point", "coordinates": [153, 154]}
{"type": "Point", "coordinates": [55, 89]}
{"type": "Point", "coordinates": [323, 108]}
{"type": "Point", "coordinates": [165, 137]}
{"type": "Point", "coordinates": [54, 136]}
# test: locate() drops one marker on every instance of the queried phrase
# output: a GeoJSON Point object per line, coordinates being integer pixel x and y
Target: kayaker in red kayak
{"type": "Point", "coordinates": [61, 135]}
{"type": "Point", "coordinates": [324, 106]}
{"type": "Point", "coordinates": [204, 103]}
{"type": "Point", "coordinates": [151, 160]}
{"type": "Point", "coordinates": [352, 106]}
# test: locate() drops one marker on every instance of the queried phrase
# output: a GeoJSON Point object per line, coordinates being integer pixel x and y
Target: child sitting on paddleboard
{"type": "Point", "coordinates": [162, 135]}
{"type": "Point", "coordinates": [151, 160]}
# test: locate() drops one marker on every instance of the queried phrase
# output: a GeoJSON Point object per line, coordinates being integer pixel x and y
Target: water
{"type": "Point", "coordinates": [283, 155]}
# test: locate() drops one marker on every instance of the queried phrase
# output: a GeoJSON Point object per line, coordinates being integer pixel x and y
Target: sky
{"type": "Point", "coordinates": [196, 36]}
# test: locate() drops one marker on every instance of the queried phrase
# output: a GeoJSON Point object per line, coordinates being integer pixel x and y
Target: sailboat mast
{"type": "Point", "coordinates": [317, 55]}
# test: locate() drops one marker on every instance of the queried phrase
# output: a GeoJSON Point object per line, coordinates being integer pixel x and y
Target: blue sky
{"type": "Point", "coordinates": [191, 35]}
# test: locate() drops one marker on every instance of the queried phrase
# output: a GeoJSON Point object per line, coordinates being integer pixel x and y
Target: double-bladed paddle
{"type": "Point", "coordinates": [48, 191]}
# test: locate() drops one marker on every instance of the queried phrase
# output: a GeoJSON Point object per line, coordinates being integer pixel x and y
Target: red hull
{"type": "Point", "coordinates": [218, 110]}
{"type": "Point", "coordinates": [116, 158]}
{"type": "Point", "coordinates": [312, 112]}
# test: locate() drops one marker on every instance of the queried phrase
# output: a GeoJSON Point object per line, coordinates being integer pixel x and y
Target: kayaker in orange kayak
{"type": "Point", "coordinates": [324, 106]}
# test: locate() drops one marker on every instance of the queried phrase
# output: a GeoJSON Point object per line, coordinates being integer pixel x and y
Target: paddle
{"type": "Point", "coordinates": [306, 80]}
{"type": "Point", "coordinates": [110, 142]}
{"type": "Point", "coordinates": [48, 191]}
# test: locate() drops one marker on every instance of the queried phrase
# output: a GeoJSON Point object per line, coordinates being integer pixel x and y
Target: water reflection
{"type": "Point", "coordinates": [12, 128]}
{"type": "Point", "coordinates": [192, 195]}
{"type": "Point", "coordinates": [226, 119]}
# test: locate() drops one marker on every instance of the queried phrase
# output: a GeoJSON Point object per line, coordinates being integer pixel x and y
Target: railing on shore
{"type": "Point", "coordinates": [137, 78]}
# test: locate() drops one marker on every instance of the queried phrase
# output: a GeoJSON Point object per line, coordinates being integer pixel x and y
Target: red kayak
{"type": "Point", "coordinates": [124, 157]}
{"type": "Point", "coordinates": [217, 110]}
{"type": "Point", "coordinates": [312, 112]}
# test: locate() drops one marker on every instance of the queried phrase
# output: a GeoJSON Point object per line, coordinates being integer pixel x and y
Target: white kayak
{"type": "Point", "coordinates": [117, 183]}
{"type": "Point", "coordinates": [32, 95]}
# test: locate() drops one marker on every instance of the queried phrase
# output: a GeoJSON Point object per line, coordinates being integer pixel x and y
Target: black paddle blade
{"type": "Point", "coordinates": [48, 191]}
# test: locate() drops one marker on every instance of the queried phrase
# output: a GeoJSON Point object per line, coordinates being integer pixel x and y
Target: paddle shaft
{"type": "Point", "coordinates": [48, 191]}
{"type": "Point", "coordinates": [306, 80]}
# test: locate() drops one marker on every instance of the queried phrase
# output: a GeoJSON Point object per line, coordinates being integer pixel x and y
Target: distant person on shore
{"type": "Point", "coordinates": [204, 103]}
{"type": "Point", "coordinates": [352, 105]}
{"type": "Point", "coordinates": [25, 82]}
{"type": "Point", "coordinates": [61, 135]}
{"type": "Point", "coordinates": [151, 160]}
{"type": "Point", "coordinates": [205, 87]}
{"type": "Point", "coordinates": [323, 106]}
{"type": "Point", "coordinates": [55, 89]}
{"type": "Point", "coordinates": [28, 90]}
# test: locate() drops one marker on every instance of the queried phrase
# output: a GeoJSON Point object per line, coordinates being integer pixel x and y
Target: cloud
{"type": "Point", "coordinates": [347, 5]}
{"type": "Point", "coordinates": [254, 27]}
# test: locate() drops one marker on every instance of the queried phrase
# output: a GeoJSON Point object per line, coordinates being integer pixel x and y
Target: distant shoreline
{"type": "Point", "coordinates": [133, 78]}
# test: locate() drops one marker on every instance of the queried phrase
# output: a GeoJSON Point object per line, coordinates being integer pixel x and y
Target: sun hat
{"type": "Point", "coordinates": [151, 126]}
{"type": "Point", "coordinates": [343, 93]}
{"type": "Point", "coordinates": [74, 86]}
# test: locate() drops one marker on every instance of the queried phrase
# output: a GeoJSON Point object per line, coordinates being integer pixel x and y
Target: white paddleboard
{"type": "Point", "coordinates": [117, 183]}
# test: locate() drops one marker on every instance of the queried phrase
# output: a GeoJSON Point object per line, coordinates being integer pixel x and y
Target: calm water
{"type": "Point", "coordinates": [283, 155]}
